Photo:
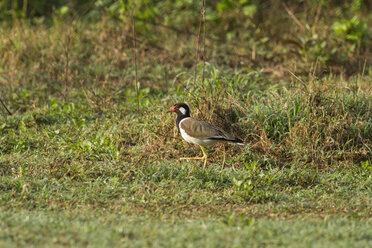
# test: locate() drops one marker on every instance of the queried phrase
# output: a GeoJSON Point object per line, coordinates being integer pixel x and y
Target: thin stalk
{"type": "Point", "coordinates": [204, 33]}
{"type": "Point", "coordinates": [135, 59]}
{"type": "Point", "coordinates": [197, 50]}
{"type": "Point", "coordinates": [2, 103]}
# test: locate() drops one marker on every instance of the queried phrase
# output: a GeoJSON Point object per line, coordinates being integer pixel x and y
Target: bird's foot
{"type": "Point", "coordinates": [199, 158]}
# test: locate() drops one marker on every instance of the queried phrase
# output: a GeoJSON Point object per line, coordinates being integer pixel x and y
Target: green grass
{"type": "Point", "coordinates": [160, 188]}
{"type": "Point", "coordinates": [104, 229]}
{"type": "Point", "coordinates": [168, 204]}
{"type": "Point", "coordinates": [81, 166]}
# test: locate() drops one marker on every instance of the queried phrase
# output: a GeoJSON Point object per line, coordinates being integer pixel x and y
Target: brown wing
{"type": "Point", "coordinates": [202, 129]}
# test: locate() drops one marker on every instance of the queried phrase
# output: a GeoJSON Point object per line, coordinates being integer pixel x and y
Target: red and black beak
{"type": "Point", "coordinates": [173, 108]}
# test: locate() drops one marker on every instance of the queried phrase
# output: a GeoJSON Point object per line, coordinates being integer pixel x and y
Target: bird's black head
{"type": "Point", "coordinates": [181, 109]}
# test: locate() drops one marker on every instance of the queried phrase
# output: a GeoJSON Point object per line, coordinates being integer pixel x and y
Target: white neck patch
{"type": "Point", "coordinates": [182, 110]}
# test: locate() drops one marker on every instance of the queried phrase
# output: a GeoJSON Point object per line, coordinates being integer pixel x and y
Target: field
{"type": "Point", "coordinates": [89, 155]}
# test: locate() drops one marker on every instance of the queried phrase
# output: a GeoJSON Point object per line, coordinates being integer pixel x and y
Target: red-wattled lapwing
{"type": "Point", "coordinates": [199, 132]}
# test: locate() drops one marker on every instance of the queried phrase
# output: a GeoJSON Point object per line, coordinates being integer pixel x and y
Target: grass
{"type": "Point", "coordinates": [80, 166]}
{"type": "Point", "coordinates": [208, 208]}
{"type": "Point", "coordinates": [115, 230]}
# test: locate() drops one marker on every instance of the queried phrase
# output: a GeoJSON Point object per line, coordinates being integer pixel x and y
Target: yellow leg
{"type": "Point", "coordinates": [204, 156]}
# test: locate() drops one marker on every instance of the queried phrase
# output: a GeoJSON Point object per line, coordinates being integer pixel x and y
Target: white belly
{"type": "Point", "coordinates": [202, 142]}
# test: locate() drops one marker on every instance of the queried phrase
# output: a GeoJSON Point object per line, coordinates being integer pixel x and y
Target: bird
{"type": "Point", "coordinates": [199, 132]}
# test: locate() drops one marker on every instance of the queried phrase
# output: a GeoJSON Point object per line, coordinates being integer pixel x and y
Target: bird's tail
{"type": "Point", "coordinates": [237, 142]}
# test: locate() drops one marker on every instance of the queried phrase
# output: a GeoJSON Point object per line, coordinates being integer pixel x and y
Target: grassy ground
{"type": "Point", "coordinates": [77, 229]}
{"type": "Point", "coordinates": [85, 162]}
